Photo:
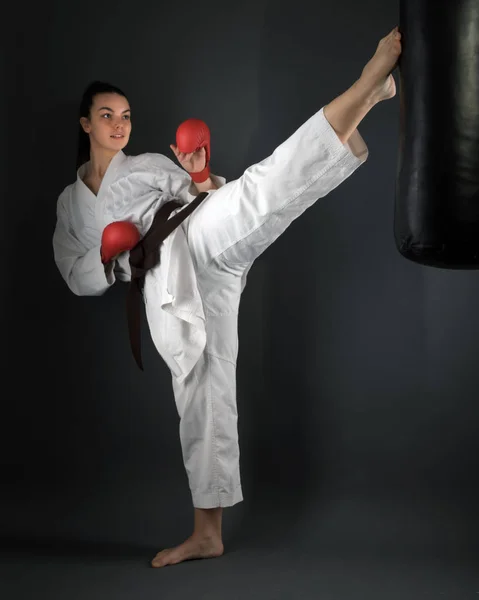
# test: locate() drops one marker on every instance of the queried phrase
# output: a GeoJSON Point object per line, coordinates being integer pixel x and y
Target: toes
{"type": "Point", "coordinates": [393, 35]}
{"type": "Point", "coordinates": [167, 557]}
{"type": "Point", "coordinates": [159, 559]}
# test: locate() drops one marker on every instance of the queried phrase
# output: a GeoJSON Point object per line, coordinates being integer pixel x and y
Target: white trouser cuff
{"type": "Point", "coordinates": [220, 499]}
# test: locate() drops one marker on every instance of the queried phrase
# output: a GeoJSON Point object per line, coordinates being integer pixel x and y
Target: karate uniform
{"type": "Point", "coordinates": [192, 296]}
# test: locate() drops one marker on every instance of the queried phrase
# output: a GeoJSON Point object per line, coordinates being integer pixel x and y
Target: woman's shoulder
{"type": "Point", "coordinates": [66, 193]}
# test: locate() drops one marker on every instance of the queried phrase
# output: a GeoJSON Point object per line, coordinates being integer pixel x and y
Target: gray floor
{"type": "Point", "coordinates": [262, 573]}
{"type": "Point", "coordinates": [350, 550]}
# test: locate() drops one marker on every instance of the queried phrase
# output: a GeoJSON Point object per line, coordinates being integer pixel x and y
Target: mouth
{"type": "Point", "coordinates": [117, 136]}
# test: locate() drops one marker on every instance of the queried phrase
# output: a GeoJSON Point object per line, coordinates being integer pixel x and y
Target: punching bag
{"type": "Point", "coordinates": [436, 220]}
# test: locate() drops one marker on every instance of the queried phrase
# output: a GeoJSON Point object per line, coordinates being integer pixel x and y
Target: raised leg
{"type": "Point", "coordinates": [241, 219]}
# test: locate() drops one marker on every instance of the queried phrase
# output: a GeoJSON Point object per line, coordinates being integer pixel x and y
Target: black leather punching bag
{"type": "Point", "coordinates": [437, 193]}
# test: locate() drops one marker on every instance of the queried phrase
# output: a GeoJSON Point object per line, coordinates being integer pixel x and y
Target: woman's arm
{"type": "Point", "coordinates": [206, 186]}
{"type": "Point", "coordinates": [80, 267]}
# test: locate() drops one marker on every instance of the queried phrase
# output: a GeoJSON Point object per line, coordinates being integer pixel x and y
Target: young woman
{"type": "Point", "coordinates": [192, 295]}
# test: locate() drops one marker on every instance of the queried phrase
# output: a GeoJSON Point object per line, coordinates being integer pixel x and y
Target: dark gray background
{"type": "Point", "coordinates": [358, 370]}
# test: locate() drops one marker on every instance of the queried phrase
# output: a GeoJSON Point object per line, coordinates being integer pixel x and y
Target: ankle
{"type": "Point", "coordinates": [208, 522]}
{"type": "Point", "coordinates": [367, 91]}
{"type": "Point", "coordinates": [207, 535]}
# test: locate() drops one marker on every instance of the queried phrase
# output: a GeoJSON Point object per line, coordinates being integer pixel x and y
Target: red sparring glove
{"type": "Point", "coordinates": [118, 237]}
{"type": "Point", "coordinates": [192, 135]}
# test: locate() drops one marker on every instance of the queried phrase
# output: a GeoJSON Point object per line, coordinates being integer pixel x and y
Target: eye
{"type": "Point", "coordinates": [106, 115]}
{"type": "Point", "coordinates": [127, 117]}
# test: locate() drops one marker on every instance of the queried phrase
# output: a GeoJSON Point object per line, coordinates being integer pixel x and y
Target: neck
{"type": "Point", "coordinates": [99, 162]}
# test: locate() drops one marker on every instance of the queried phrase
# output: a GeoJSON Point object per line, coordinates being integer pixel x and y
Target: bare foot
{"type": "Point", "coordinates": [206, 541]}
{"type": "Point", "coordinates": [194, 547]}
{"type": "Point", "coordinates": [376, 76]}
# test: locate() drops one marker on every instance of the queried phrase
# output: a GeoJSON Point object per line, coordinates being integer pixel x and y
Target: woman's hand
{"type": "Point", "coordinates": [193, 162]}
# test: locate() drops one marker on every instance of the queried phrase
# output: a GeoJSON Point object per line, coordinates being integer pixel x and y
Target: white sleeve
{"type": "Point", "coordinates": [80, 267]}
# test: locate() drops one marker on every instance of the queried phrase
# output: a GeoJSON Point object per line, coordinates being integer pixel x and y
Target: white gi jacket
{"type": "Point", "coordinates": [133, 189]}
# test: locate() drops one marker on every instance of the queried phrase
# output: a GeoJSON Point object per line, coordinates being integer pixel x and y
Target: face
{"type": "Point", "coordinates": [109, 125]}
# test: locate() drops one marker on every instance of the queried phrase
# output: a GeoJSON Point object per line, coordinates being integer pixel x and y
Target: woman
{"type": "Point", "coordinates": [192, 296]}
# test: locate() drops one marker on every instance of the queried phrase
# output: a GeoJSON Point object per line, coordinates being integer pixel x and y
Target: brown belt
{"type": "Point", "coordinates": [146, 255]}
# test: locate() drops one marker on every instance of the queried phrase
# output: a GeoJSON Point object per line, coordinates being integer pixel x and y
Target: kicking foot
{"type": "Point", "coordinates": [376, 76]}
{"type": "Point", "coordinates": [194, 547]}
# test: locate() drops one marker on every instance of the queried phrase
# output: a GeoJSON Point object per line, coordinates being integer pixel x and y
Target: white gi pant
{"type": "Point", "coordinates": [225, 234]}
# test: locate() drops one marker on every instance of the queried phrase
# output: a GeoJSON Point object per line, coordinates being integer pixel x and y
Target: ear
{"type": "Point", "coordinates": [85, 123]}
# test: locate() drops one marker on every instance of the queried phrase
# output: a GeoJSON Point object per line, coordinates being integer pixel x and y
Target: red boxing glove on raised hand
{"type": "Point", "coordinates": [192, 135]}
{"type": "Point", "coordinates": [118, 237]}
